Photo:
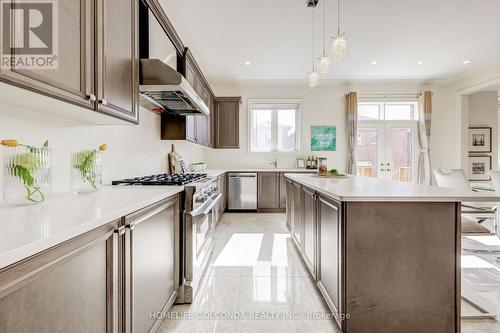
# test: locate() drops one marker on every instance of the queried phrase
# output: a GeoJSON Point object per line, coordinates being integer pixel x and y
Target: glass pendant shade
{"type": "Point", "coordinates": [324, 65]}
{"type": "Point", "coordinates": [339, 46]}
{"type": "Point", "coordinates": [313, 80]}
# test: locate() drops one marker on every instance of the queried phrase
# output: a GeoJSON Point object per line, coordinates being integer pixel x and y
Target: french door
{"type": "Point", "coordinates": [387, 150]}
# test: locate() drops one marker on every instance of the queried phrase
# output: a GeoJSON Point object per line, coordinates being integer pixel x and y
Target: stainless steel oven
{"type": "Point", "coordinates": [199, 225]}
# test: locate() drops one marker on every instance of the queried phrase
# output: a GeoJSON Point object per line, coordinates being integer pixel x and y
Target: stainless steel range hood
{"type": "Point", "coordinates": [163, 89]}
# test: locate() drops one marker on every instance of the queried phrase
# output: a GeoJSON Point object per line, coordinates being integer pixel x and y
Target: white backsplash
{"type": "Point", "coordinates": [134, 150]}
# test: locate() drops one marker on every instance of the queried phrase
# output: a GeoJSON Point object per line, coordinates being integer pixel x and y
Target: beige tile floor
{"type": "Point", "coordinates": [256, 271]}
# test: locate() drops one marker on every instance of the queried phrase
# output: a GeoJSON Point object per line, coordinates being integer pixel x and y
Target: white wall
{"type": "Point", "coordinates": [325, 105]}
{"type": "Point", "coordinates": [483, 112]}
{"type": "Point", "coordinates": [134, 150]}
{"type": "Point", "coordinates": [457, 102]}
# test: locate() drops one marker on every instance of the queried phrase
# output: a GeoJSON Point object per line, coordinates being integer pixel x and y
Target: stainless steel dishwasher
{"type": "Point", "coordinates": [242, 191]}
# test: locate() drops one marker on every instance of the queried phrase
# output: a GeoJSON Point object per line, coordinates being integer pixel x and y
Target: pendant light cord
{"type": "Point", "coordinates": [313, 43]}
{"type": "Point", "coordinates": [324, 9]}
{"type": "Point", "coordinates": [338, 17]}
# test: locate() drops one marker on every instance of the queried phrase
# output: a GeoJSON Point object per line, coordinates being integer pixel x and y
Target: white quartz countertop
{"type": "Point", "coordinates": [363, 189]}
{"type": "Point", "coordinates": [28, 230]}
{"type": "Point", "coordinates": [218, 172]}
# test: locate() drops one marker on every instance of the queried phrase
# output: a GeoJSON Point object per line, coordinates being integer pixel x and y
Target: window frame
{"type": "Point", "coordinates": [298, 120]}
{"type": "Point", "coordinates": [382, 109]}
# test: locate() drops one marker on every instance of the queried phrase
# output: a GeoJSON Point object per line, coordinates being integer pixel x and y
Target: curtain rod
{"type": "Point", "coordinates": [388, 94]}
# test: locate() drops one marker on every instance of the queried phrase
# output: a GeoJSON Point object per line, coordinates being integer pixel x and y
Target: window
{"type": "Point", "coordinates": [370, 111]}
{"type": "Point", "coordinates": [273, 126]}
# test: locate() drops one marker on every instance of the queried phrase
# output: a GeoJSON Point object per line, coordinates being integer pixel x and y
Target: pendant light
{"type": "Point", "coordinates": [324, 62]}
{"type": "Point", "coordinates": [313, 77]}
{"type": "Point", "coordinates": [339, 43]}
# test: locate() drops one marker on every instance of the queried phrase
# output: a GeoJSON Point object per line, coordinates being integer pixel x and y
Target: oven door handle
{"type": "Point", "coordinates": [205, 210]}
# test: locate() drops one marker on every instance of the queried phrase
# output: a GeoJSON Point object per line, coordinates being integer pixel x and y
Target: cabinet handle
{"type": "Point", "coordinates": [120, 230]}
{"type": "Point", "coordinates": [91, 97]}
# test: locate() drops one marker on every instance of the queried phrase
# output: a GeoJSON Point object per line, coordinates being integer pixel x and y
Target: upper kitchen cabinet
{"type": "Point", "coordinates": [117, 71]}
{"type": "Point", "coordinates": [227, 121]}
{"type": "Point", "coordinates": [64, 68]}
{"type": "Point", "coordinates": [87, 58]}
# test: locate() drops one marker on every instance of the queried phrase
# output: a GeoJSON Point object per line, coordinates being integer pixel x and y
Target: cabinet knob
{"type": "Point", "coordinates": [104, 101]}
{"type": "Point", "coordinates": [92, 97]}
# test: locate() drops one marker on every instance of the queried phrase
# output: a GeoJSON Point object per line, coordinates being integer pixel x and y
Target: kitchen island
{"type": "Point", "coordinates": [385, 255]}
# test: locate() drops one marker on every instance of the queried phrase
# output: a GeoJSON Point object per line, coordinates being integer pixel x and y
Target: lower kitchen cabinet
{"type": "Point", "coordinates": [268, 196]}
{"type": "Point", "coordinates": [330, 253]}
{"type": "Point", "coordinates": [309, 229]}
{"type": "Point", "coordinates": [221, 183]}
{"type": "Point", "coordinates": [282, 191]}
{"type": "Point", "coordinates": [110, 279]}
{"type": "Point", "coordinates": [297, 227]}
{"type": "Point", "coordinates": [316, 226]}
{"type": "Point", "coordinates": [72, 287]}
{"type": "Point", "coordinates": [289, 206]}
{"type": "Point", "coordinates": [151, 243]}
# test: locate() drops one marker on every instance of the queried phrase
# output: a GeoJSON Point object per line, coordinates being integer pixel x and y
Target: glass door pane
{"type": "Point", "coordinates": [368, 150]}
{"type": "Point", "coordinates": [400, 153]}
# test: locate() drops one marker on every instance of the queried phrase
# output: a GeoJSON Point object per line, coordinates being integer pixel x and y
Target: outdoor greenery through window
{"type": "Point", "coordinates": [274, 127]}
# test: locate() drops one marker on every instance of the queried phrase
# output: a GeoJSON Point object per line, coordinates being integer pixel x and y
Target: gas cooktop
{"type": "Point", "coordinates": [162, 179]}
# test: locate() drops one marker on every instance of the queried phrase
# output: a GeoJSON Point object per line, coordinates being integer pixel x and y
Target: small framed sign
{"type": "Point", "coordinates": [323, 138]}
{"type": "Point", "coordinates": [479, 139]}
{"type": "Point", "coordinates": [479, 167]}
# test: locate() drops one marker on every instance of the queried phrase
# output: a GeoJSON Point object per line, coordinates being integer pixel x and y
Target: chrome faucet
{"type": "Point", "coordinates": [274, 163]}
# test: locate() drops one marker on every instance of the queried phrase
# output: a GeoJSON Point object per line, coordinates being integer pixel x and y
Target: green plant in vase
{"type": "Point", "coordinates": [25, 165]}
{"type": "Point", "coordinates": [85, 161]}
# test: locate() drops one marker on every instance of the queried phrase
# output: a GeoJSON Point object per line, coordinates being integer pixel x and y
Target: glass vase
{"type": "Point", "coordinates": [26, 175]}
{"type": "Point", "coordinates": [86, 171]}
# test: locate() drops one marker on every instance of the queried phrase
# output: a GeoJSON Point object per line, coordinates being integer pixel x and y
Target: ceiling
{"type": "Point", "coordinates": [276, 37]}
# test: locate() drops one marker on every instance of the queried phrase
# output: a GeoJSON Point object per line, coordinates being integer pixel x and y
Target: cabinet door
{"type": "Point", "coordinates": [71, 79]}
{"type": "Point", "coordinates": [117, 68]}
{"type": "Point", "coordinates": [290, 209]}
{"type": "Point", "coordinates": [225, 189]}
{"type": "Point", "coordinates": [72, 287]}
{"type": "Point", "coordinates": [268, 190]}
{"type": "Point", "coordinates": [310, 233]}
{"type": "Point", "coordinates": [154, 246]}
{"type": "Point", "coordinates": [227, 123]}
{"type": "Point", "coordinates": [191, 128]}
{"type": "Point", "coordinates": [330, 252]}
{"type": "Point", "coordinates": [297, 230]}
{"type": "Point", "coordinates": [282, 191]}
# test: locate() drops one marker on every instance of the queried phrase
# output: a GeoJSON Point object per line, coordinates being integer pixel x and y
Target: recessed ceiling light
{"type": "Point", "coordinates": [420, 62]}
{"type": "Point", "coordinates": [247, 63]}
{"type": "Point", "coordinates": [466, 62]}
{"type": "Point", "coordinates": [374, 62]}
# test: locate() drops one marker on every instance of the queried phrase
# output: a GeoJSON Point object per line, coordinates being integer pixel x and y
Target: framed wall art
{"type": "Point", "coordinates": [479, 139]}
{"type": "Point", "coordinates": [323, 138]}
{"type": "Point", "coordinates": [479, 167]}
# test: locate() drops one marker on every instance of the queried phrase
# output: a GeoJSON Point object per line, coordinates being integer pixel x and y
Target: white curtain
{"type": "Point", "coordinates": [424, 137]}
{"type": "Point", "coordinates": [352, 130]}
